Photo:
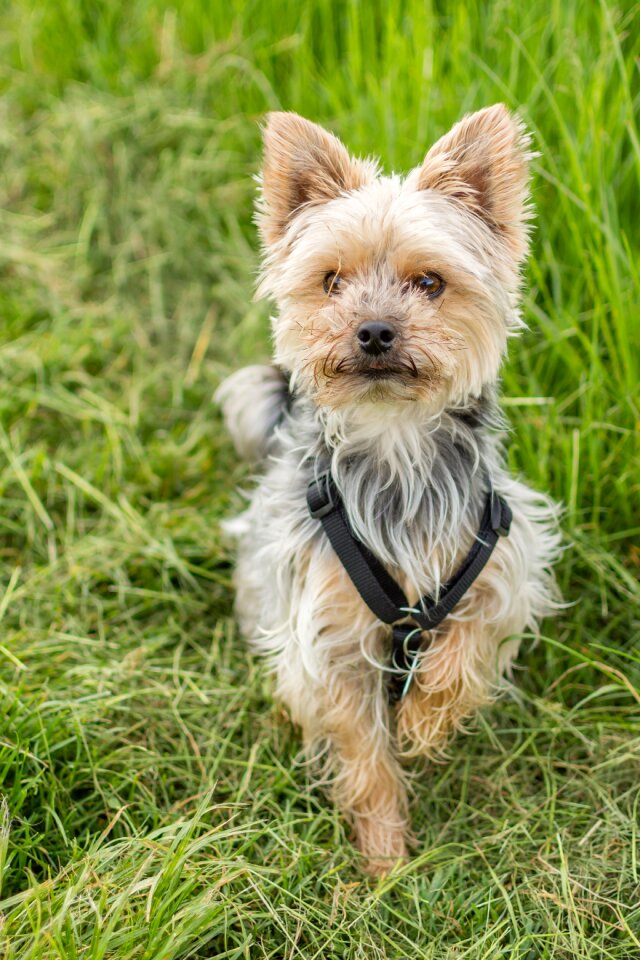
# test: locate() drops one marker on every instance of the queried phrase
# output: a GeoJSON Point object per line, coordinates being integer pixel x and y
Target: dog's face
{"type": "Point", "coordinates": [393, 290]}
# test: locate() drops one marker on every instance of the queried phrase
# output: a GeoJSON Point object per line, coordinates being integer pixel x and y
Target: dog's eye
{"type": "Point", "coordinates": [332, 282]}
{"type": "Point", "coordinates": [430, 283]}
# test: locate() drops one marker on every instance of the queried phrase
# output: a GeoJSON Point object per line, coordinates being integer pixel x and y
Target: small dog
{"type": "Point", "coordinates": [396, 298]}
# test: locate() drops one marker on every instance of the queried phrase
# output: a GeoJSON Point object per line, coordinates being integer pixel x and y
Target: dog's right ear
{"type": "Point", "coordinates": [303, 165]}
{"type": "Point", "coordinates": [481, 164]}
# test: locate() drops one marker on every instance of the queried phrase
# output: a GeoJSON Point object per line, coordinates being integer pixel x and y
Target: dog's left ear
{"type": "Point", "coordinates": [482, 163]}
{"type": "Point", "coordinates": [303, 165]}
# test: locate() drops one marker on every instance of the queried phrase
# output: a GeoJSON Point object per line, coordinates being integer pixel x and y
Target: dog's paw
{"type": "Point", "coordinates": [383, 847]}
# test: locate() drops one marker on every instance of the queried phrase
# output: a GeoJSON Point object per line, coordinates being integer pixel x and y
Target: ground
{"type": "Point", "coordinates": [155, 805]}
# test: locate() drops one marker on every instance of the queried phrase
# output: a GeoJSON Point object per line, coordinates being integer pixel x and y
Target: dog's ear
{"type": "Point", "coordinates": [483, 163]}
{"type": "Point", "coordinates": [303, 164]}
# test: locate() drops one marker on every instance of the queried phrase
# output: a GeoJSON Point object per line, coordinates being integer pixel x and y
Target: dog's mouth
{"type": "Point", "coordinates": [382, 373]}
{"type": "Point", "coordinates": [378, 369]}
{"type": "Point", "coordinates": [381, 378]}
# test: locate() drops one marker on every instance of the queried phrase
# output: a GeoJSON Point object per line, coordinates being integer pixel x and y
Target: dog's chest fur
{"type": "Point", "coordinates": [413, 487]}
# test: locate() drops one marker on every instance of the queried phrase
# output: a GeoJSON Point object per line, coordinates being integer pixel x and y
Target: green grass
{"type": "Point", "coordinates": [155, 803]}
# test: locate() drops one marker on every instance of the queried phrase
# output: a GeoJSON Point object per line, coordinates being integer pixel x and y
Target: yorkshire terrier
{"type": "Point", "coordinates": [395, 299]}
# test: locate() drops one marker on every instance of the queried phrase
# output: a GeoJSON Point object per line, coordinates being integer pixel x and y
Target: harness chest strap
{"type": "Point", "coordinates": [384, 597]}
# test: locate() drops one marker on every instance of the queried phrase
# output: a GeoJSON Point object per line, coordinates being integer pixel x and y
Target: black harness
{"type": "Point", "coordinates": [380, 591]}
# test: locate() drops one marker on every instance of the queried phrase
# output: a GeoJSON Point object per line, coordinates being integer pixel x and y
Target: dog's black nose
{"type": "Point", "coordinates": [376, 337]}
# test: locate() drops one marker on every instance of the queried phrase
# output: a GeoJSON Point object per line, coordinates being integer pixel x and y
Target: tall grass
{"type": "Point", "coordinates": [154, 803]}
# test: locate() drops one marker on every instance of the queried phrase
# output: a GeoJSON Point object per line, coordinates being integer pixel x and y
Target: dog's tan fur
{"type": "Point", "coordinates": [406, 452]}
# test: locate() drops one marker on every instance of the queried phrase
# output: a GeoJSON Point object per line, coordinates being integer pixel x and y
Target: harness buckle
{"type": "Point", "coordinates": [408, 640]}
{"type": "Point", "coordinates": [501, 515]}
{"type": "Point", "coordinates": [319, 498]}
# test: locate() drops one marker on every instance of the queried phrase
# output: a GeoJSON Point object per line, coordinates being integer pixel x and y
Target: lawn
{"type": "Point", "coordinates": [154, 800]}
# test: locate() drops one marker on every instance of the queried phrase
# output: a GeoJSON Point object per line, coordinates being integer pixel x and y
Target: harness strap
{"type": "Point", "coordinates": [378, 589]}
{"type": "Point", "coordinates": [384, 597]}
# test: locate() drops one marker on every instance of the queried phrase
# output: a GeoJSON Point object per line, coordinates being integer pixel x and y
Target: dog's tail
{"type": "Point", "coordinates": [254, 400]}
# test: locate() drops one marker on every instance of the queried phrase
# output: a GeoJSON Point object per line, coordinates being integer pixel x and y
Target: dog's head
{"type": "Point", "coordinates": [392, 290]}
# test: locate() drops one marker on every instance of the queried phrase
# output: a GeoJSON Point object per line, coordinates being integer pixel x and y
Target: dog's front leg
{"type": "Point", "coordinates": [367, 782]}
{"type": "Point", "coordinates": [324, 645]}
{"type": "Point", "coordinates": [369, 785]}
{"type": "Point", "coordinates": [338, 641]}
{"type": "Point", "coordinates": [458, 674]}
